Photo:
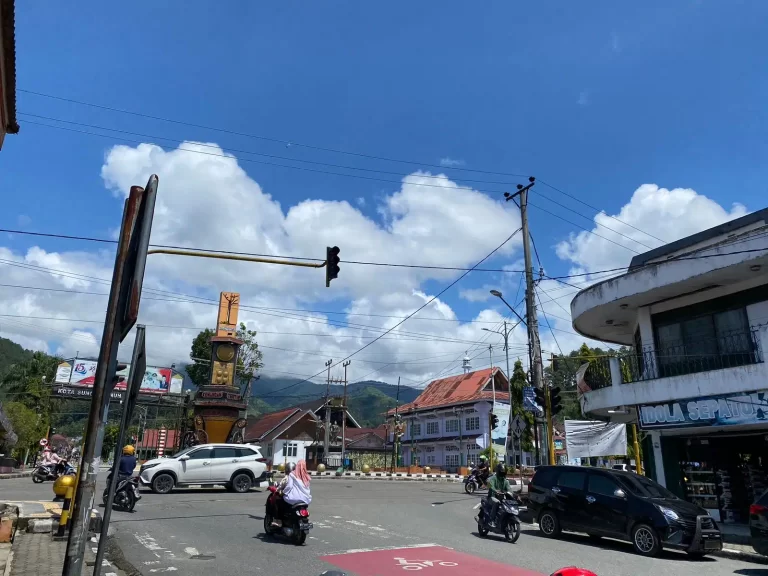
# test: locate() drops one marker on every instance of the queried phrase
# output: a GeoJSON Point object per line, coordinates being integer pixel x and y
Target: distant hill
{"type": "Point", "coordinates": [368, 400]}
{"type": "Point", "coordinates": [10, 354]}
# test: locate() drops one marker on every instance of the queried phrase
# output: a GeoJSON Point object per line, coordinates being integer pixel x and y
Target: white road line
{"type": "Point", "coordinates": [358, 550]}
{"type": "Point", "coordinates": [192, 551]}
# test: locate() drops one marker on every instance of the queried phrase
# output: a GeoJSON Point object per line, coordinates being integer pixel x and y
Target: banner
{"type": "Point", "coordinates": [721, 410]}
{"type": "Point", "coordinates": [156, 380]}
{"type": "Point", "coordinates": [586, 438]}
{"type": "Point", "coordinates": [502, 412]}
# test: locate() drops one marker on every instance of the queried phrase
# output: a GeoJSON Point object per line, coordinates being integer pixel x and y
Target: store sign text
{"type": "Point", "coordinates": [724, 410]}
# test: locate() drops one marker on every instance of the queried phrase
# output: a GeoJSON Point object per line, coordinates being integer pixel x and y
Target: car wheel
{"type": "Point", "coordinates": [549, 524]}
{"type": "Point", "coordinates": [162, 483]}
{"type": "Point", "coordinates": [241, 483]}
{"type": "Point", "coordinates": [645, 540]}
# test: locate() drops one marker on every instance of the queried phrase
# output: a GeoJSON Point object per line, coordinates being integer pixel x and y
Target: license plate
{"type": "Point", "coordinates": [307, 527]}
{"type": "Point", "coordinates": [711, 544]}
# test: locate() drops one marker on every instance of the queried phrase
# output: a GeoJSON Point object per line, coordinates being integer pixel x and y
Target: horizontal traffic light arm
{"type": "Point", "coordinates": [220, 256]}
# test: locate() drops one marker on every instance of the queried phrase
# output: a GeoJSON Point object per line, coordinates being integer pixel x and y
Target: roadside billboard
{"type": "Point", "coordinates": [156, 380]}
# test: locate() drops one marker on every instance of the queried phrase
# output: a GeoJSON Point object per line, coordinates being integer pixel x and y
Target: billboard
{"type": "Point", "coordinates": [720, 410]}
{"type": "Point", "coordinates": [156, 380]}
{"type": "Point", "coordinates": [586, 438]}
{"type": "Point", "coordinates": [502, 413]}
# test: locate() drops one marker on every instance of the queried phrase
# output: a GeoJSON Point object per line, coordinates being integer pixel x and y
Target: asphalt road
{"type": "Point", "coordinates": [204, 531]}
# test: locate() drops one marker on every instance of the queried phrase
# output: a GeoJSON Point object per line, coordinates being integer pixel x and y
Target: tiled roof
{"type": "Point", "coordinates": [151, 438]}
{"type": "Point", "coordinates": [8, 33]}
{"type": "Point", "coordinates": [258, 427]}
{"type": "Point", "coordinates": [354, 434]}
{"type": "Point", "coordinates": [459, 389]}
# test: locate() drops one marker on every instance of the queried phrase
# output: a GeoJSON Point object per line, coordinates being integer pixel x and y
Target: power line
{"type": "Point", "coordinates": [427, 303]}
{"type": "Point", "coordinates": [288, 143]}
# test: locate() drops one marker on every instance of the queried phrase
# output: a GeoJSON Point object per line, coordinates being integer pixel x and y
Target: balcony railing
{"type": "Point", "coordinates": [728, 351]}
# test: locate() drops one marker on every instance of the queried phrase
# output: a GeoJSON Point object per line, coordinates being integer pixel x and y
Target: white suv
{"type": "Point", "coordinates": [238, 466]}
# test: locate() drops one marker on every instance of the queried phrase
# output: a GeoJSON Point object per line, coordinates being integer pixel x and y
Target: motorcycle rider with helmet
{"type": "Point", "coordinates": [483, 470]}
{"type": "Point", "coordinates": [127, 462]}
{"type": "Point", "coordinates": [498, 484]}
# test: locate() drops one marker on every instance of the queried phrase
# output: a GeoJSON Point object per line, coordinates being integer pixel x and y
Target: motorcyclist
{"type": "Point", "coordinates": [483, 470]}
{"type": "Point", "coordinates": [498, 484]}
{"type": "Point", "coordinates": [127, 462]}
{"type": "Point", "coordinates": [51, 459]}
{"type": "Point", "coordinates": [294, 489]}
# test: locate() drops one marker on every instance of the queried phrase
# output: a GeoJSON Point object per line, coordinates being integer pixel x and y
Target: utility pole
{"type": "Point", "coordinates": [493, 407]}
{"type": "Point", "coordinates": [506, 334]}
{"type": "Point", "coordinates": [344, 417]}
{"type": "Point", "coordinates": [530, 296]}
{"type": "Point", "coordinates": [327, 432]}
{"type": "Point", "coordinates": [395, 438]}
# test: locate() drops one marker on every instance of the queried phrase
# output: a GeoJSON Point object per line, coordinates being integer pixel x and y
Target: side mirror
{"type": "Point", "coordinates": [619, 493]}
{"type": "Point", "coordinates": [184, 458]}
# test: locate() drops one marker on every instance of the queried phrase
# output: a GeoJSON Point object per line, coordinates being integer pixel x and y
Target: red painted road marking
{"type": "Point", "coordinates": [428, 561]}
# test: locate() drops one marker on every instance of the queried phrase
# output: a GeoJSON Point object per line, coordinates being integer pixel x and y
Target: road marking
{"type": "Point", "coordinates": [383, 548]}
{"type": "Point", "coordinates": [192, 551]}
{"type": "Point", "coordinates": [169, 569]}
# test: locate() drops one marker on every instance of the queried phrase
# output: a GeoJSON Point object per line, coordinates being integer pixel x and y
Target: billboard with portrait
{"type": "Point", "coordinates": [156, 380]}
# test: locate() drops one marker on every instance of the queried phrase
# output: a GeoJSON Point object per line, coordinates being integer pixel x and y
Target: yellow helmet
{"type": "Point", "coordinates": [128, 449]}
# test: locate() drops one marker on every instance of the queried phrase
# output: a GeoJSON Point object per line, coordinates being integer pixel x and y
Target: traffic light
{"type": "Point", "coordinates": [494, 421]}
{"type": "Point", "coordinates": [331, 264]}
{"type": "Point", "coordinates": [555, 407]}
{"type": "Point", "coordinates": [541, 398]}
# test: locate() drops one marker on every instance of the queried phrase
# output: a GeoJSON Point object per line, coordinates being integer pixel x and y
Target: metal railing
{"type": "Point", "coordinates": [728, 351]}
{"type": "Point", "coordinates": [731, 350]}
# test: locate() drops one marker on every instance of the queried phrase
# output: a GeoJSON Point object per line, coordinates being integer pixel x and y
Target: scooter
{"type": "Point", "coordinates": [295, 520]}
{"type": "Point", "coordinates": [507, 521]}
{"type": "Point", "coordinates": [473, 482]}
{"type": "Point", "coordinates": [49, 471]}
{"type": "Point", "coordinates": [126, 493]}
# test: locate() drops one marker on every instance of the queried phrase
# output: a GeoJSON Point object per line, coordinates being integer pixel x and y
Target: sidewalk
{"type": "Point", "coordinates": [39, 555]}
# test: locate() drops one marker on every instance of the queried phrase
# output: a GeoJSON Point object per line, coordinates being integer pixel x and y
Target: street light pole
{"type": "Point", "coordinates": [505, 334]}
{"type": "Point", "coordinates": [344, 416]}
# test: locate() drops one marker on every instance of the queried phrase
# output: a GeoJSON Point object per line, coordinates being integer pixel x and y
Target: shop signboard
{"type": "Point", "coordinates": [156, 380]}
{"type": "Point", "coordinates": [722, 410]}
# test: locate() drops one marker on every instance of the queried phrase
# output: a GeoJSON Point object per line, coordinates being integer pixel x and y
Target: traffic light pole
{"type": "Point", "coordinates": [550, 429]}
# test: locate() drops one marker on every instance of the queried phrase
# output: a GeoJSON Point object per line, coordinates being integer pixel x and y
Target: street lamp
{"type": "Point", "coordinates": [500, 296]}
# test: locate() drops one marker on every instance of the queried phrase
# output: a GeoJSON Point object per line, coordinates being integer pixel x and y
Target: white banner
{"type": "Point", "coordinates": [502, 413]}
{"type": "Point", "coordinates": [585, 438]}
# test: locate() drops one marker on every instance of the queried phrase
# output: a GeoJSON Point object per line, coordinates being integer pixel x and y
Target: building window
{"type": "Point", "coordinates": [472, 423]}
{"type": "Point", "coordinates": [433, 427]}
{"type": "Point", "coordinates": [415, 429]}
{"type": "Point", "coordinates": [269, 450]}
{"type": "Point", "coordinates": [291, 449]}
{"type": "Point", "coordinates": [452, 460]}
{"type": "Point", "coordinates": [451, 425]}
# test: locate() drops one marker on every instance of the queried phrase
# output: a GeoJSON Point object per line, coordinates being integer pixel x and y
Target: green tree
{"type": "Point", "coordinates": [200, 368]}
{"type": "Point", "coordinates": [249, 357]}
{"type": "Point", "coordinates": [27, 425]}
{"type": "Point", "coordinates": [110, 440]}
{"type": "Point", "coordinates": [518, 382]}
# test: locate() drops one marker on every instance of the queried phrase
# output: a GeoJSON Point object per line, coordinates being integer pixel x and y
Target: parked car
{"type": "Point", "coordinates": [238, 466]}
{"type": "Point", "coordinates": [758, 524]}
{"type": "Point", "coordinates": [622, 467]}
{"type": "Point", "coordinates": [622, 505]}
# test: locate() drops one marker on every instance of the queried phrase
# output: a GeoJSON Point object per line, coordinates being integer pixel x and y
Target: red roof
{"type": "Point", "coordinates": [356, 433]}
{"type": "Point", "coordinates": [460, 389]}
{"type": "Point", "coordinates": [258, 427]}
{"type": "Point", "coordinates": [151, 439]}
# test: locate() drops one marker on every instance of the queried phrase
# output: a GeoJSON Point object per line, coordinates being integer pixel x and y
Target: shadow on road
{"type": "Point", "coordinates": [275, 540]}
{"type": "Point", "coordinates": [614, 545]}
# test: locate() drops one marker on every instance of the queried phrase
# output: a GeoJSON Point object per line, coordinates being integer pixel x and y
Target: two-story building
{"type": "Point", "coordinates": [694, 314]}
{"type": "Point", "coordinates": [447, 426]}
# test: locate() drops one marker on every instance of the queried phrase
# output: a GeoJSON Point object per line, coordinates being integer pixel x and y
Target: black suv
{"type": "Point", "coordinates": [619, 505]}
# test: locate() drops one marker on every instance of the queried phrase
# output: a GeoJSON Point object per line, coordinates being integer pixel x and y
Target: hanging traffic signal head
{"type": "Point", "coordinates": [494, 421]}
{"type": "Point", "coordinates": [541, 398]}
{"type": "Point", "coordinates": [331, 264]}
{"type": "Point", "coordinates": [554, 401]}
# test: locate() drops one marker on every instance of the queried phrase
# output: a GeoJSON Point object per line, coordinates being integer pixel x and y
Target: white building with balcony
{"type": "Point", "coordinates": [693, 315]}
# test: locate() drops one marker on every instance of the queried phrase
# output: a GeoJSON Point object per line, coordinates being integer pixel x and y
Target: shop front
{"type": "Point", "coordinates": [712, 451]}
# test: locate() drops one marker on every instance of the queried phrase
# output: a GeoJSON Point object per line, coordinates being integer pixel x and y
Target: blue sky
{"type": "Point", "coordinates": [595, 98]}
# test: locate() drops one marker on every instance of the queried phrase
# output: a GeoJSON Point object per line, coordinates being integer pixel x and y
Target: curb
{"type": "Point", "coordinates": [24, 474]}
{"type": "Point", "coordinates": [753, 557]}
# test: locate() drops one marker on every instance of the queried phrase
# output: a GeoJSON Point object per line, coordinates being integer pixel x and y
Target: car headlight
{"type": "Point", "coordinates": [669, 514]}
{"type": "Point", "coordinates": [148, 466]}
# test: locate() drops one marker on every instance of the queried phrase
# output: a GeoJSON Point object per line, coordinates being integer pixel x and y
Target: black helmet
{"type": "Point", "coordinates": [501, 470]}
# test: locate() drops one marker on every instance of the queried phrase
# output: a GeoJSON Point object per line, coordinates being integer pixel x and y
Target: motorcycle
{"type": "Point", "coordinates": [126, 493]}
{"type": "Point", "coordinates": [295, 520]}
{"type": "Point", "coordinates": [51, 471]}
{"type": "Point", "coordinates": [473, 482]}
{"type": "Point", "coordinates": [507, 521]}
